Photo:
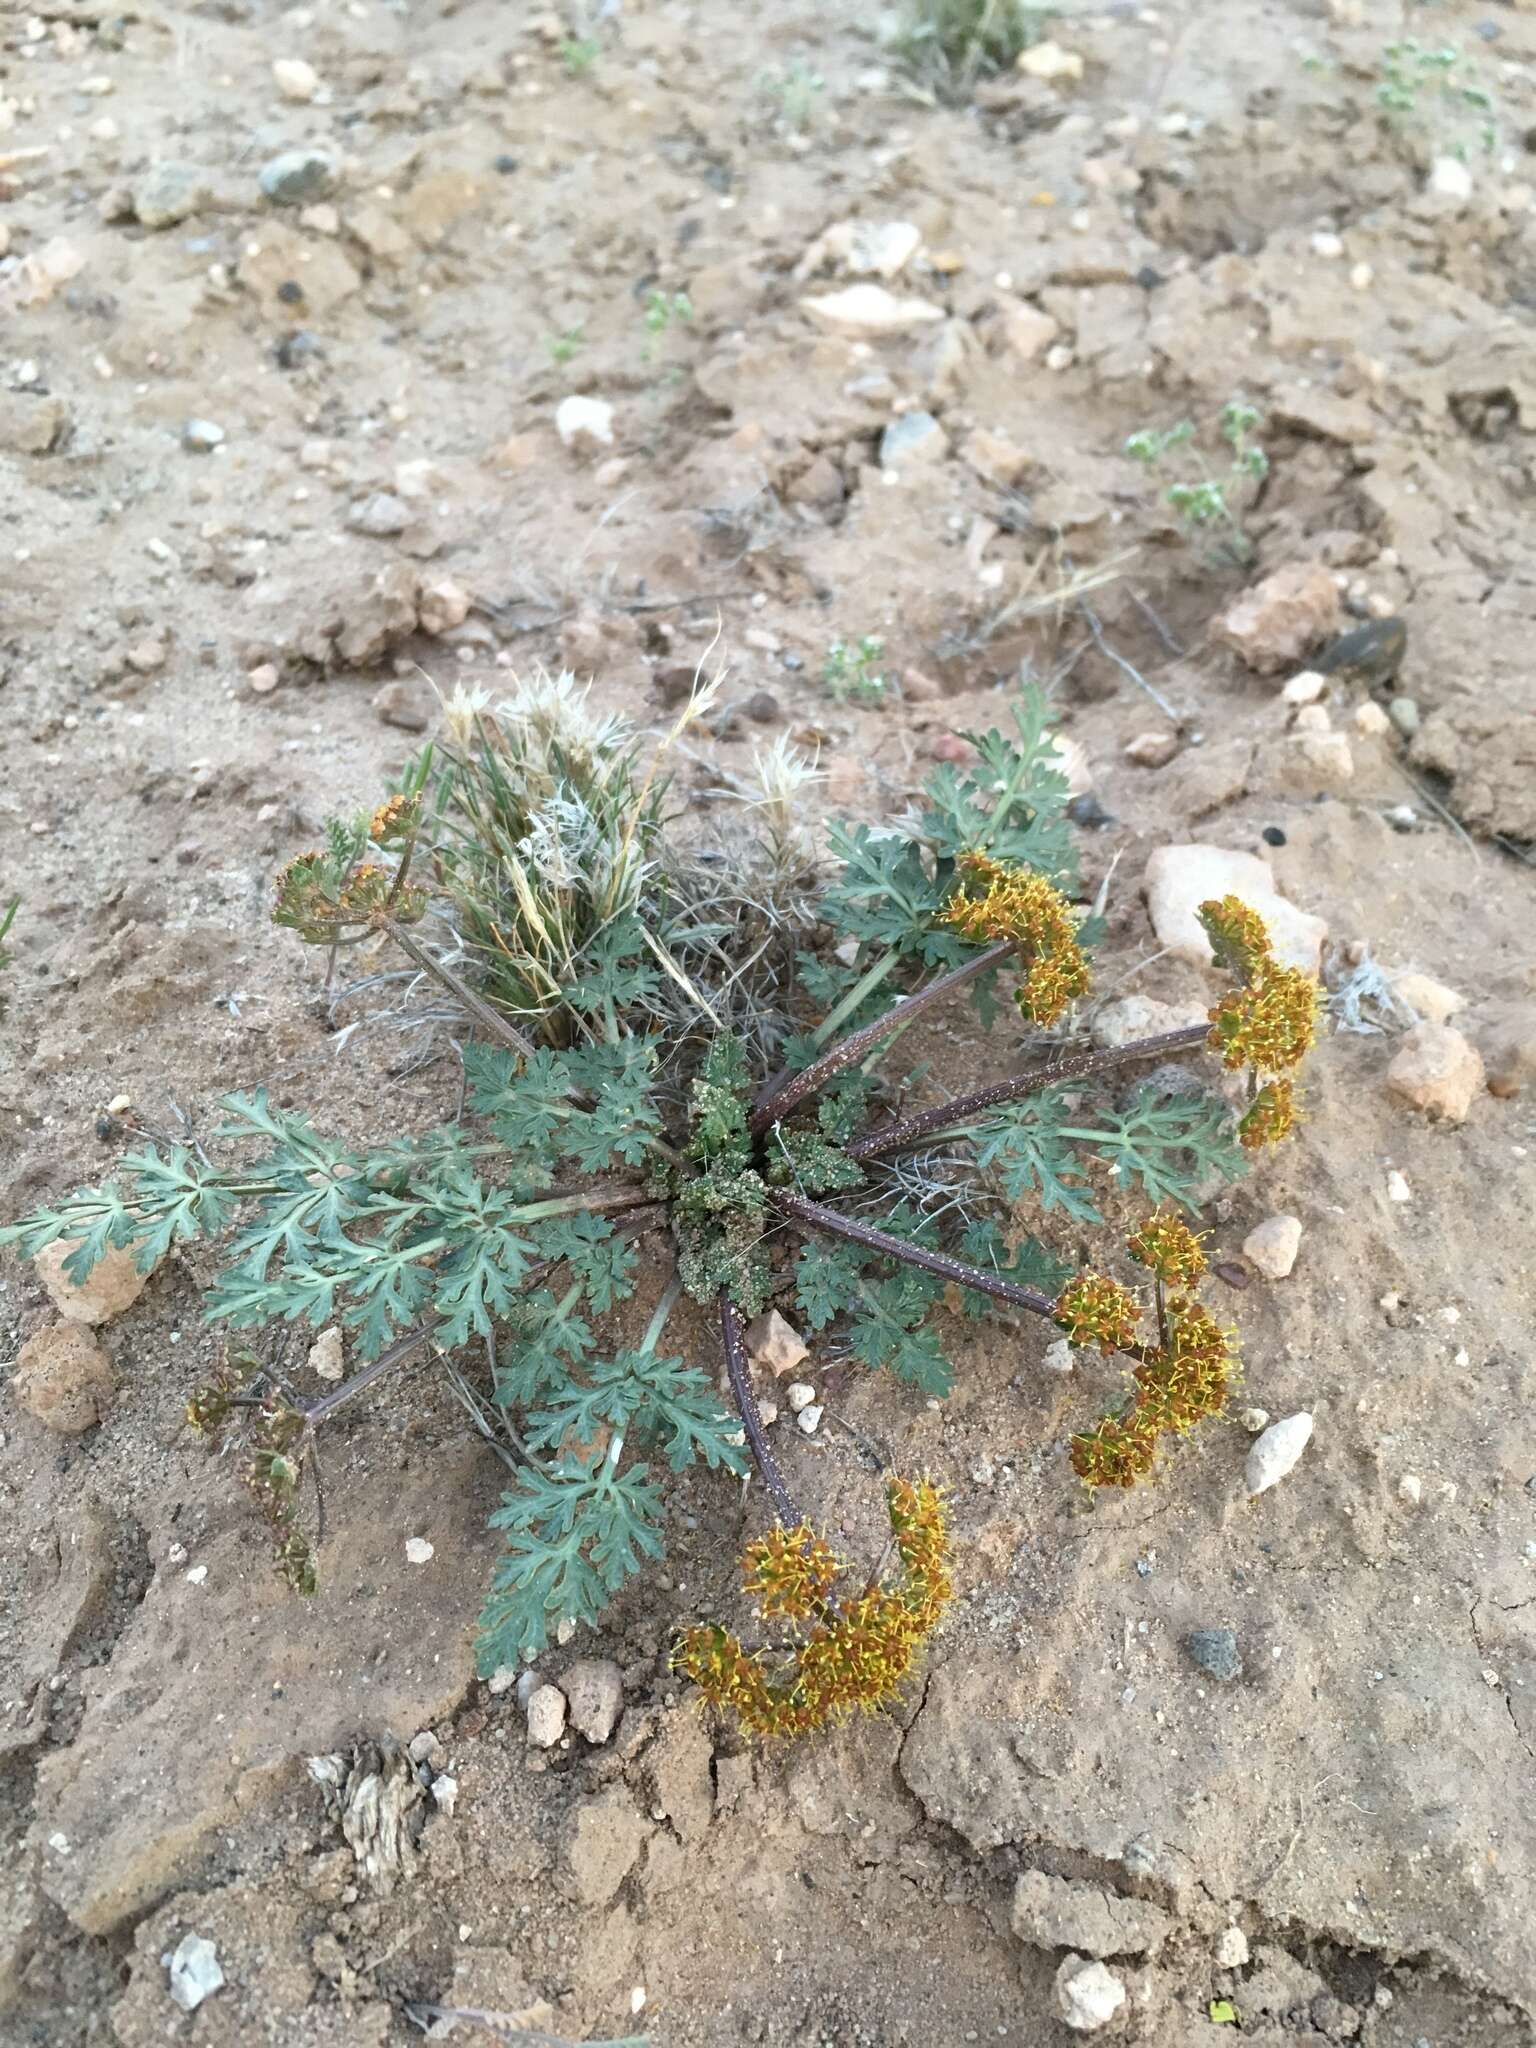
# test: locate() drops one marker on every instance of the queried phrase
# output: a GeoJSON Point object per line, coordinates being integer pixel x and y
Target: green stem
{"type": "Point", "coordinates": [663, 1309]}
{"type": "Point", "coordinates": [866, 985]}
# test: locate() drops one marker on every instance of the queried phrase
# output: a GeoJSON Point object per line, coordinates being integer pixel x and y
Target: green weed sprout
{"type": "Point", "coordinates": [1202, 500]}
{"type": "Point", "coordinates": [7, 919]}
{"type": "Point", "coordinates": [563, 346]}
{"type": "Point", "coordinates": [1436, 86]}
{"type": "Point", "coordinates": [663, 310]}
{"type": "Point", "coordinates": [851, 675]}
{"type": "Point", "coordinates": [673, 1104]}
{"type": "Point", "coordinates": [578, 54]}
{"type": "Point", "coordinates": [949, 45]}
{"type": "Point", "coordinates": [796, 91]}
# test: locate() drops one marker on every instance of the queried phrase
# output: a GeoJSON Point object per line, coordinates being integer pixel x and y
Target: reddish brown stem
{"type": "Point", "coordinates": [780, 1096]}
{"type": "Point", "coordinates": [819, 1217]}
{"type": "Point", "coordinates": [734, 1344]}
{"type": "Point", "coordinates": [964, 1109]}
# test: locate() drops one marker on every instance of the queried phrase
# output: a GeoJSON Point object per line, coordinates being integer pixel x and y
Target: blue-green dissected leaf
{"type": "Point", "coordinates": [654, 1399]}
{"type": "Point", "coordinates": [1030, 1264]}
{"type": "Point", "coordinates": [1024, 1146]}
{"type": "Point", "coordinates": [887, 1331]}
{"type": "Point", "coordinates": [598, 1256]}
{"type": "Point", "coordinates": [572, 1535]}
{"type": "Point", "coordinates": [827, 1279]}
{"type": "Point", "coordinates": [1167, 1145]}
{"type": "Point", "coordinates": [553, 1340]}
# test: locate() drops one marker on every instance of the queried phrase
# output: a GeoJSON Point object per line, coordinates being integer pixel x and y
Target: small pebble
{"type": "Point", "coordinates": [1231, 1948]}
{"type": "Point", "coordinates": [298, 176]}
{"type": "Point", "coordinates": [1404, 714]}
{"type": "Point", "coordinates": [193, 1970]}
{"type": "Point", "coordinates": [799, 1395]}
{"type": "Point", "coordinates": [1214, 1651]}
{"type": "Point", "coordinates": [546, 1716]}
{"type": "Point", "coordinates": [1254, 1420]}
{"type": "Point", "coordinates": [1087, 1995]}
{"type": "Point", "coordinates": [1057, 1357]}
{"type": "Point", "coordinates": [1275, 1453]}
{"type": "Point", "coordinates": [295, 79]}
{"type": "Point", "coordinates": [201, 437]}
{"type": "Point", "coordinates": [1398, 1189]}
{"type": "Point", "coordinates": [1410, 1488]}
{"type": "Point", "coordinates": [418, 1550]}
{"type": "Point", "coordinates": [445, 1793]}
{"type": "Point", "coordinates": [809, 1419]}
{"type": "Point", "coordinates": [1273, 1244]}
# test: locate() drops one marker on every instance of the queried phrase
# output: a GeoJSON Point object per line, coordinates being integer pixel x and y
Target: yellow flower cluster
{"type": "Point", "coordinates": [1267, 1024]}
{"type": "Point", "coordinates": [1167, 1247]}
{"type": "Point", "coordinates": [1187, 1377]}
{"type": "Point", "coordinates": [1020, 904]}
{"type": "Point", "coordinates": [858, 1653]}
{"type": "Point", "coordinates": [1095, 1310]}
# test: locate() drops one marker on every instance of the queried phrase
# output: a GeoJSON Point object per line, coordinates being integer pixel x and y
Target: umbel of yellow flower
{"type": "Point", "coordinates": [1020, 904]}
{"type": "Point", "coordinates": [1267, 1024]}
{"type": "Point", "coordinates": [1175, 1384]}
{"type": "Point", "coordinates": [857, 1653]}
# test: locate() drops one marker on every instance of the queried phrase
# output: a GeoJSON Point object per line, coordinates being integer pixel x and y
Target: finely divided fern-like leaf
{"type": "Point", "coordinates": [599, 1258]}
{"type": "Point", "coordinates": [827, 1279]}
{"type": "Point", "coordinates": [653, 1399]}
{"type": "Point", "coordinates": [1029, 1263]}
{"type": "Point", "coordinates": [1168, 1146]}
{"type": "Point", "coordinates": [1027, 1150]}
{"type": "Point", "coordinates": [554, 1341]}
{"type": "Point", "coordinates": [572, 1535]}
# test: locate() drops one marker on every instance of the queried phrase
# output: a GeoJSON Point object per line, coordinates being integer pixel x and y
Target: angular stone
{"type": "Point", "coordinates": [63, 1378]}
{"type": "Point", "coordinates": [599, 1846]}
{"type": "Point", "coordinates": [775, 1343]}
{"type": "Point", "coordinates": [1059, 1912]}
{"type": "Point", "coordinates": [113, 1283]}
{"type": "Point", "coordinates": [594, 1688]}
{"type": "Point", "coordinates": [1180, 878]}
{"type": "Point", "coordinates": [1437, 1071]}
{"type": "Point", "coordinates": [1281, 619]}
{"type": "Point", "coordinates": [1273, 1244]}
{"type": "Point", "coordinates": [867, 311]}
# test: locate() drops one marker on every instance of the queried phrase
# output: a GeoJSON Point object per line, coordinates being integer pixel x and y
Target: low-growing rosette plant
{"type": "Point", "coordinates": [698, 1042]}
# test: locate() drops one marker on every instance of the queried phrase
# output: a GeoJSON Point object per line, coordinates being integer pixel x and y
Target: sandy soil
{"type": "Point", "coordinates": [193, 643]}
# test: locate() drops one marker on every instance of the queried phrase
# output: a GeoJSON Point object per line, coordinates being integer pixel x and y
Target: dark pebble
{"type": "Point", "coordinates": [1214, 1651]}
{"type": "Point", "coordinates": [763, 707]}
{"type": "Point", "coordinates": [1086, 810]}
{"type": "Point", "coordinates": [291, 292]}
{"type": "Point", "coordinates": [505, 164]}
{"type": "Point", "coordinates": [674, 684]}
{"type": "Point", "coordinates": [1273, 836]}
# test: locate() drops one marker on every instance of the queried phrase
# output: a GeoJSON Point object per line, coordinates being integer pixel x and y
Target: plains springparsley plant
{"type": "Point", "coordinates": [1204, 501]}
{"type": "Point", "coordinates": [682, 1046]}
{"type": "Point", "coordinates": [852, 672]}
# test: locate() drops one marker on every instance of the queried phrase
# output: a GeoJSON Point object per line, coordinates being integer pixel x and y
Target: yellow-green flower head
{"type": "Point", "coordinates": [1093, 1309]}
{"type": "Point", "coordinates": [1022, 905]}
{"type": "Point", "coordinates": [1167, 1246]}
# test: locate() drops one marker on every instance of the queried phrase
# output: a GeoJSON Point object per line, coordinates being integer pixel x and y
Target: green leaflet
{"type": "Point", "coordinates": [571, 1537]}
{"type": "Point", "coordinates": [656, 1400]}
{"type": "Point", "coordinates": [1030, 1264]}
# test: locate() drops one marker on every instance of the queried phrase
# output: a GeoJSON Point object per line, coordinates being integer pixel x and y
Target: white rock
{"type": "Point", "coordinates": [546, 1716]}
{"type": "Point", "coordinates": [295, 79]}
{"type": "Point", "coordinates": [1450, 178]}
{"type": "Point", "coordinates": [1431, 999]}
{"type": "Point", "coordinates": [445, 1793]}
{"type": "Point", "coordinates": [1305, 688]}
{"type": "Point", "coordinates": [1371, 722]}
{"type": "Point", "coordinates": [418, 1550]}
{"type": "Point", "coordinates": [1048, 60]}
{"type": "Point", "coordinates": [1410, 1488]}
{"type": "Point", "coordinates": [1319, 760]}
{"type": "Point", "coordinates": [1361, 277]}
{"type": "Point", "coordinates": [1060, 357]}
{"type": "Point", "coordinates": [1327, 245]}
{"type": "Point", "coordinates": [584, 422]}
{"type": "Point", "coordinates": [1254, 1419]}
{"type": "Point", "coordinates": [867, 311]}
{"type": "Point", "coordinates": [1398, 1189]}
{"type": "Point", "coordinates": [1276, 1451]}
{"type": "Point", "coordinates": [325, 1354]}
{"type": "Point", "coordinates": [1028, 331]}
{"type": "Point", "coordinates": [799, 1395]}
{"type": "Point", "coordinates": [809, 1419]}
{"type": "Point", "coordinates": [1069, 757]}
{"type": "Point", "coordinates": [1231, 1948]}
{"type": "Point", "coordinates": [775, 1343]}
{"type": "Point", "coordinates": [1313, 718]}
{"type": "Point", "coordinates": [193, 1968]}
{"type": "Point", "coordinates": [528, 1683]}
{"type": "Point", "coordinates": [442, 604]}
{"type": "Point", "coordinates": [1087, 1995]}
{"type": "Point", "coordinates": [1180, 878]}
{"type": "Point", "coordinates": [865, 248]}
{"type": "Point", "coordinates": [1273, 1244]}
{"type": "Point", "coordinates": [501, 1680]}
{"type": "Point", "coordinates": [1057, 1357]}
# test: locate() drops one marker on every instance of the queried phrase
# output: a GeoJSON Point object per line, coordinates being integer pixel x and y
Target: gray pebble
{"type": "Point", "coordinates": [168, 193]}
{"type": "Point", "coordinates": [297, 176]}
{"type": "Point", "coordinates": [914, 437]}
{"type": "Point", "coordinates": [380, 514]}
{"type": "Point", "coordinates": [1404, 714]}
{"type": "Point", "coordinates": [200, 437]}
{"type": "Point", "coordinates": [1214, 1650]}
{"type": "Point", "coordinates": [763, 707]}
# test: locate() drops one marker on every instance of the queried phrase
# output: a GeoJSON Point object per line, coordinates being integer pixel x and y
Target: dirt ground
{"type": "Point", "coordinates": [254, 453]}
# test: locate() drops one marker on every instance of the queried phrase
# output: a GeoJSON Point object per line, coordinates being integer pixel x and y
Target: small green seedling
{"type": "Point", "coordinates": [949, 44]}
{"type": "Point", "coordinates": [851, 674]}
{"type": "Point", "coordinates": [564, 345]}
{"type": "Point", "coordinates": [797, 92]}
{"type": "Point", "coordinates": [578, 54]}
{"type": "Point", "coordinates": [663, 310]}
{"type": "Point", "coordinates": [1202, 500]}
{"type": "Point", "coordinates": [1437, 89]}
{"type": "Point", "coordinates": [7, 919]}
